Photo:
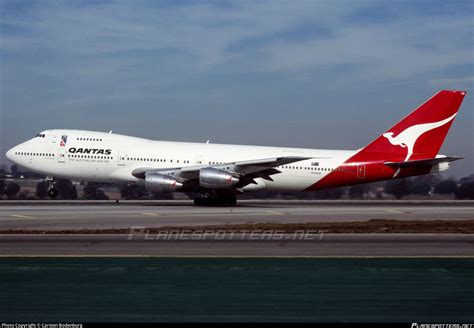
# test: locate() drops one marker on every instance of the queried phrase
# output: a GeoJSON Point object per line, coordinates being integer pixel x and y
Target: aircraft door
{"type": "Point", "coordinates": [361, 171]}
{"type": "Point", "coordinates": [62, 156]}
{"type": "Point", "coordinates": [199, 160]}
{"type": "Point", "coordinates": [121, 159]}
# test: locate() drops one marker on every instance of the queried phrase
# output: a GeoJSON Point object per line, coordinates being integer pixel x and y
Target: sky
{"type": "Point", "coordinates": [316, 74]}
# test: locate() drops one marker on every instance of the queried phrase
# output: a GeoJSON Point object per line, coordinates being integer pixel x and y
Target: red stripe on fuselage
{"type": "Point", "coordinates": [350, 174]}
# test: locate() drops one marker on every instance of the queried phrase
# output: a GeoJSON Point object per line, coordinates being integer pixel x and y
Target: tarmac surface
{"type": "Point", "coordinates": [65, 217]}
{"type": "Point", "coordinates": [238, 245]}
{"type": "Point", "coordinates": [137, 218]}
{"type": "Point", "coordinates": [149, 274]}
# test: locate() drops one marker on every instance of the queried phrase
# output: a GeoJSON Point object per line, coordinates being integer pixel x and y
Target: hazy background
{"type": "Point", "coordinates": [320, 74]}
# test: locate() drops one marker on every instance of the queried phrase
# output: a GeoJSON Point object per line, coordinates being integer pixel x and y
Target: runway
{"type": "Point", "coordinates": [70, 217]}
{"type": "Point", "coordinates": [140, 219]}
{"type": "Point", "coordinates": [238, 245]}
{"type": "Point", "coordinates": [163, 275]}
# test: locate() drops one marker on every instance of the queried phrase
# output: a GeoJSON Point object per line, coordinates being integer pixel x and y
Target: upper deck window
{"type": "Point", "coordinates": [40, 135]}
{"type": "Point", "coordinates": [88, 139]}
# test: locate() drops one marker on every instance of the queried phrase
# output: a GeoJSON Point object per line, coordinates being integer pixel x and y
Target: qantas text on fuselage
{"type": "Point", "coordinates": [94, 151]}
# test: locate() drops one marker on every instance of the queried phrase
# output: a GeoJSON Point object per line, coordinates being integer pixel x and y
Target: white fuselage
{"type": "Point", "coordinates": [106, 157]}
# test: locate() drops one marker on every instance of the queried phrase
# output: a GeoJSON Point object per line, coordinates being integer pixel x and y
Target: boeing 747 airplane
{"type": "Point", "coordinates": [219, 172]}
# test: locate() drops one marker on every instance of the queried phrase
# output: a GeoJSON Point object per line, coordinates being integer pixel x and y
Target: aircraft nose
{"type": "Point", "coordinates": [10, 153]}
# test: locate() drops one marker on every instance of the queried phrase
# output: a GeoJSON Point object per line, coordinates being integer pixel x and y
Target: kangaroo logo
{"type": "Point", "coordinates": [407, 138]}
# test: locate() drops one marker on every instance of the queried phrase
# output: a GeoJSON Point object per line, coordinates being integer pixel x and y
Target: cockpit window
{"type": "Point", "coordinates": [40, 135]}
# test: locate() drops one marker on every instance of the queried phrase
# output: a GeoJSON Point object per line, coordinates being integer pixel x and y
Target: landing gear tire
{"type": "Point", "coordinates": [52, 193]}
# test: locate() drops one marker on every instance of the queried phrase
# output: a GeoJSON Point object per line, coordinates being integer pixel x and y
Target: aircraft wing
{"type": "Point", "coordinates": [246, 170]}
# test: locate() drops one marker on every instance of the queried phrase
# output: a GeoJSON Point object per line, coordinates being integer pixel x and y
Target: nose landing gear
{"type": "Point", "coordinates": [52, 191]}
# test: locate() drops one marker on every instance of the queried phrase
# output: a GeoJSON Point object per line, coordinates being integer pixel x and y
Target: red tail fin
{"type": "Point", "coordinates": [419, 135]}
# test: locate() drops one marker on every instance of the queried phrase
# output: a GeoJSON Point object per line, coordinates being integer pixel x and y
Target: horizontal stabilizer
{"type": "Point", "coordinates": [423, 162]}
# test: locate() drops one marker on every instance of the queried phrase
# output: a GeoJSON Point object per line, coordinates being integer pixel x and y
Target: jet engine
{"type": "Point", "coordinates": [216, 179]}
{"type": "Point", "coordinates": [161, 183]}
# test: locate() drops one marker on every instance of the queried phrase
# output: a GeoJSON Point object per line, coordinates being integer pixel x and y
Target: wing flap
{"type": "Point", "coordinates": [252, 166]}
{"type": "Point", "coordinates": [275, 161]}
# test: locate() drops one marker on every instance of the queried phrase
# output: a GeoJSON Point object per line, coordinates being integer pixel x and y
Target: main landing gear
{"type": "Point", "coordinates": [52, 191]}
{"type": "Point", "coordinates": [214, 199]}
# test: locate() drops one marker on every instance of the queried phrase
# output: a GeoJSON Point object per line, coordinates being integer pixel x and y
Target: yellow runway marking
{"type": "Point", "coordinates": [150, 213]}
{"type": "Point", "coordinates": [274, 212]}
{"type": "Point", "coordinates": [394, 211]}
{"type": "Point", "coordinates": [22, 216]}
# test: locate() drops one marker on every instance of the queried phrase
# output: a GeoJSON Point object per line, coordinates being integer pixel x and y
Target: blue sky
{"type": "Point", "coordinates": [319, 74]}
